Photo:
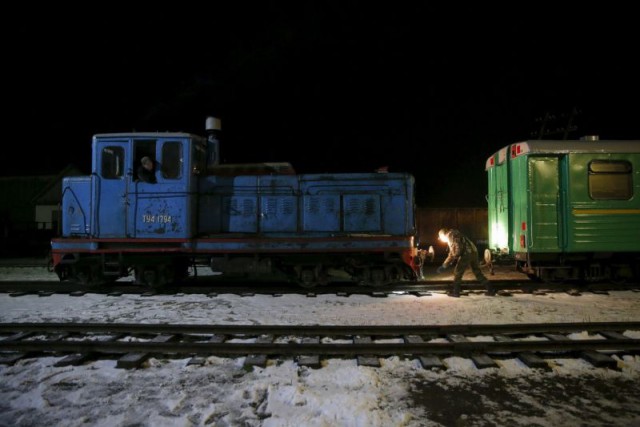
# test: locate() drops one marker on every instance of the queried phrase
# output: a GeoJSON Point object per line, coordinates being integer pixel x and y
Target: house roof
{"type": "Point", "coordinates": [50, 193]}
{"type": "Point", "coordinates": [21, 192]}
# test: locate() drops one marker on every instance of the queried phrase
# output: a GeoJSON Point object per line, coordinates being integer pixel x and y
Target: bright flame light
{"type": "Point", "coordinates": [499, 236]}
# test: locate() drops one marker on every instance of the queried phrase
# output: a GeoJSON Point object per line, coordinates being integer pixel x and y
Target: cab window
{"type": "Point", "coordinates": [610, 180]}
{"type": "Point", "coordinates": [172, 160]}
{"type": "Point", "coordinates": [112, 162]}
{"type": "Point", "coordinates": [143, 148]}
{"type": "Point", "coordinates": [198, 158]}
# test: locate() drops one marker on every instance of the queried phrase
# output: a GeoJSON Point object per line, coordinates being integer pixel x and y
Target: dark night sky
{"type": "Point", "coordinates": [329, 87]}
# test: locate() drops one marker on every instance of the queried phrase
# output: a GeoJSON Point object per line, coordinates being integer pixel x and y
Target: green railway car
{"type": "Point", "coordinates": [566, 210]}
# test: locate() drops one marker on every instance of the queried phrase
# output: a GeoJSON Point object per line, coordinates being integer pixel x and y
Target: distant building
{"type": "Point", "coordinates": [29, 208]}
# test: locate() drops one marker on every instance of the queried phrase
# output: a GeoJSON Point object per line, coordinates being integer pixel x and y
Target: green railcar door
{"type": "Point", "coordinates": [498, 201]}
{"type": "Point", "coordinates": [544, 193]}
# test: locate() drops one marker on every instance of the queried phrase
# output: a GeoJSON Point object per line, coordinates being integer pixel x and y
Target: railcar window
{"type": "Point", "coordinates": [112, 162]}
{"type": "Point", "coordinates": [610, 180]}
{"type": "Point", "coordinates": [172, 160]}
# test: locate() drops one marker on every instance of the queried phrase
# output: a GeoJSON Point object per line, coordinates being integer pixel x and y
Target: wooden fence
{"type": "Point", "coordinates": [471, 221]}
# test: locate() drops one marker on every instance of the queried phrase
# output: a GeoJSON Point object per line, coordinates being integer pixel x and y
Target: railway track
{"type": "Point", "coordinates": [602, 344]}
{"type": "Point", "coordinates": [504, 287]}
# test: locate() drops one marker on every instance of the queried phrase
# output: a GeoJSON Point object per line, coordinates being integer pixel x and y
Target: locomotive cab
{"type": "Point", "coordinates": [124, 206]}
{"type": "Point", "coordinates": [114, 222]}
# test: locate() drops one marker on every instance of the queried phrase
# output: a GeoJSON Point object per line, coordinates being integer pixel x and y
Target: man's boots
{"type": "Point", "coordinates": [491, 291]}
{"type": "Point", "coordinates": [455, 291]}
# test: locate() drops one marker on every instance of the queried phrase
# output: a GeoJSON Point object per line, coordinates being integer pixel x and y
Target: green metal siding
{"type": "Point", "coordinates": [498, 205]}
{"type": "Point", "coordinates": [601, 225]}
{"type": "Point", "coordinates": [548, 203]}
{"type": "Point", "coordinates": [520, 202]}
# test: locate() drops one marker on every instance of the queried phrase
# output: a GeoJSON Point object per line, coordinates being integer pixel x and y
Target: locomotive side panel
{"type": "Point", "coordinates": [309, 205]}
{"type": "Point", "coordinates": [76, 206]}
{"type": "Point", "coordinates": [398, 206]}
{"type": "Point", "coordinates": [248, 204]}
{"type": "Point", "coordinates": [110, 187]}
{"type": "Point", "coordinates": [320, 212]}
{"type": "Point", "coordinates": [240, 206]}
{"type": "Point", "coordinates": [358, 203]}
{"type": "Point", "coordinates": [278, 204]}
{"type": "Point", "coordinates": [163, 209]}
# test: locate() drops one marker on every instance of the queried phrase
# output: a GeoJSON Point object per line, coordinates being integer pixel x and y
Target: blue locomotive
{"type": "Point", "coordinates": [247, 220]}
{"type": "Point", "coordinates": [567, 210]}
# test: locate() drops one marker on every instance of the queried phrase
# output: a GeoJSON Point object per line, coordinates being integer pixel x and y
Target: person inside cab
{"type": "Point", "coordinates": [147, 170]}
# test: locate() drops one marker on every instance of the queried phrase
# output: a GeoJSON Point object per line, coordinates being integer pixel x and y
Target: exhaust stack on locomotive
{"type": "Point", "coordinates": [213, 128]}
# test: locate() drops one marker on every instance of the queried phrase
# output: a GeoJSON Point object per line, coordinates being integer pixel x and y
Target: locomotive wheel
{"type": "Point", "coordinates": [310, 276]}
{"type": "Point", "coordinates": [392, 274]}
{"type": "Point", "coordinates": [87, 275]}
{"type": "Point", "coordinates": [152, 276]}
{"type": "Point", "coordinates": [374, 277]}
{"type": "Point", "coordinates": [307, 278]}
{"type": "Point", "coordinates": [160, 275]}
{"type": "Point", "coordinates": [378, 277]}
{"type": "Point", "coordinates": [552, 276]}
{"type": "Point", "coordinates": [619, 275]}
{"type": "Point", "coordinates": [618, 280]}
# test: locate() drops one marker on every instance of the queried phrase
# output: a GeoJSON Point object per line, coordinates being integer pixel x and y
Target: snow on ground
{"type": "Point", "coordinates": [168, 392]}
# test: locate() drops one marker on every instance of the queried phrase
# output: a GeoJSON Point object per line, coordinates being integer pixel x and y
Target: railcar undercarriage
{"type": "Point", "coordinates": [583, 268]}
{"type": "Point", "coordinates": [307, 270]}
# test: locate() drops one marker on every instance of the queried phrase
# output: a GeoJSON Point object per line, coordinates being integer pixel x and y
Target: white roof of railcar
{"type": "Point", "coordinates": [579, 146]}
{"type": "Point", "coordinates": [565, 147]}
